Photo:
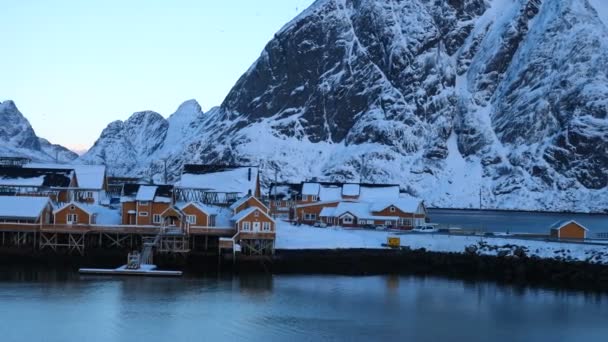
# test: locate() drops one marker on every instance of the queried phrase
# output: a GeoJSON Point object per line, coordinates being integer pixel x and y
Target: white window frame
{"type": "Point", "coordinates": [143, 213]}
{"type": "Point", "coordinates": [71, 219]}
{"type": "Point", "coordinates": [144, 203]}
{"type": "Point", "coordinates": [266, 226]}
{"type": "Point", "coordinates": [191, 219]}
{"type": "Point", "coordinates": [256, 213]}
{"type": "Point", "coordinates": [314, 197]}
{"type": "Point", "coordinates": [246, 226]}
{"type": "Point", "coordinates": [310, 217]}
{"type": "Point", "coordinates": [348, 219]}
{"type": "Point", "coordinates": [157, 218]}
{"type": "Point", "coordinates": [392, 209]}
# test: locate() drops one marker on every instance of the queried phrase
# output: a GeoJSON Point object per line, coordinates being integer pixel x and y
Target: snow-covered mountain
{"type": "Point", "coordinates": [139, 145]}
{"type": "Point", "coordinates": [18, 139]}
{"type": "Point", "coordinates": [452, 99]}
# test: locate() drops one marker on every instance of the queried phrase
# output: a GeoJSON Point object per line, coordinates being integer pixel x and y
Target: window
{"type": "Point", "coordinates": [392, 209]}
{"type": "Point", "coordinates": [256, 213]}
{"type": "Point", "coordinates": [310, 217]}
{"type": "Point", "coordinates": [72, 218]}
{"type": "Point", "coordinates": [266, 226]}
{"type": "Point", "coordinates": [191, 219]}
{"type": "Point", "coordinates": [143, 203]}
{"type": "Point", "coordinates": [72, 207]}
{"type": "Point", "coordinates": [405, 221]}
{"type": "Point", "coordinates": [347, 219]}
{"type": "Point", "coordinates": [156, 218]}
{"type": "Point", "coordinates": [143, 213]}
{"type": "Point", "coordinates": [313, 197]}
{"type": "Point", "coordinates": [246, 226]}
{"type": "Point", "coordinates": [388, 223]}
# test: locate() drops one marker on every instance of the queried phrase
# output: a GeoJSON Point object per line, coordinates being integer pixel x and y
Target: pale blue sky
{"type": "Point", "coordinates": [74, 66]}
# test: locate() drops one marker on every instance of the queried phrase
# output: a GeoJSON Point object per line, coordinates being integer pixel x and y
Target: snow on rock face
{"type": "Point", "coordinates": [380, 88]}
{"type": "Point", "coordinates": [17, 138]}
{"type": "Point", "coordinates": [138, 145]}
{"type": "Point", "coordinates": [448, 98]}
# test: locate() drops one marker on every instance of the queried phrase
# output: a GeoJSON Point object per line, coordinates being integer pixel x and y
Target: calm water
{"type": "Point", "coordinates": [62, 306]}
{"type": "Point", "coordinates": [500, 221]}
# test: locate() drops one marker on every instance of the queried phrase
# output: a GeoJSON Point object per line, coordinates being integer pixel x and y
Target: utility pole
{"type": "Point", "coordinates": [165, 163]}
{"type": "Point", "coordinates": [480, 187]}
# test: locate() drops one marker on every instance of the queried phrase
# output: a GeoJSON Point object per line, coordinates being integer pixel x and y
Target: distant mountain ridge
{"type": "Point", "coordinates": [18, 138]}
{"type": "Point", "coordinates": [455, 100]}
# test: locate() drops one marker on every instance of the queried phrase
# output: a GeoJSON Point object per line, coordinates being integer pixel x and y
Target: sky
{"type": "Point", "coordinates": [72, 67]}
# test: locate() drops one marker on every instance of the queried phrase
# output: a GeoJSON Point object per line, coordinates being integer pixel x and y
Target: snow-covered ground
{"type": "Point", "coordinates": [306, 237]}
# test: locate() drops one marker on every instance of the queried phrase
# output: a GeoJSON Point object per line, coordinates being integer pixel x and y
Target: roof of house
{"type": "Point", "coordinates": [350, 189]}
{"type": "Point", "coordinates": [215, 178]}
{"type": "Point", "coordinates": [243, 200]}
{"type": "Point", "coordinates": [561, 224]}
{"type": "Point", "coordinates": [244, 213]}
{"type": "Point", "coordinates": [284, 191]}
{"type": "Point", "coordinates": [89, 176]}
{"type": "Point", "coordinates": [22, 207]}
{"type": "Point", "coordinates": [330, 193]}
{"type": "Point", "coordinates": [207, 209]}
{"type": "Point", "coordinates": [147, 192]}
{"type": "Point", "coordinates": [105, 215]}
{"type": "Point", "coordinates": [359, 209]}
{"type": "Point", "coordinates": [38, 177]}
{"type": "Point", "coordinates": [310, 188]}
{"type": "Point", "coordinates": [303, 205]}
{"type": "Point", "coordinates": [406, 205]}
{"type": "Point", "coordinates": [327, 212]}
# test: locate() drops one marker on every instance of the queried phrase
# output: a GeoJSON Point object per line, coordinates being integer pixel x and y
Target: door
{"type": "Point", "coordinates": [256, 226]}
{"type": "Point", "coordinates": [72, 219]}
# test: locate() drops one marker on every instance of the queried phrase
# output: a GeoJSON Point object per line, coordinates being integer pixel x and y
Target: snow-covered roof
{"type": "Point", "coordinates": [22, 207]}
{"type": "Point", "coordinates": [407, 205]}
{"type": "Point", "coordinates": [374, 193]}
{"type": "Point", "coordinates": [327, 212]}
{"type": "Point", "coordinates": [104, 215]}
{"type": "Point", "coordinates": [350, 189]}
{"type": "Point", "coordinates": [243, 213]}
{"type": "Point", "coordinates": [359, 209]}
{"type": "Point", "coordinates": [146, 193]}
{"type": "Point", "coordinates": [36, 177]}
{"type": "Point", "coordinates": [330, 193]}
{"type": "Point", "coordinates": [241, 180]}
{"type": "Point", "coordinates": [304, 205]}
{"type": "Point", "coordinates": [310, 188]}
{"type": "Point", "coordinates": [207, 209]}
{"type": "Point", "coordinates": [242, 200]}
{"type": "Point", "coordinates": [561, 224]}
{"type": "Point", "coordinates": [89, 176]}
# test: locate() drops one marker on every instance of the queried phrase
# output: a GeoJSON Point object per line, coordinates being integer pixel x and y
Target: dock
{"type": "Point", "coordinates": [143, 270]}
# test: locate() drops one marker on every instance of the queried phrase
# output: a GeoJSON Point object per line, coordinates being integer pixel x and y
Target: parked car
{"type": "Point", "coordinates": [381, 227]}
{"type": "Point", "coordinates": [369, 226]}
{"type": "Point", "coordinates": [426, 229]}
{"type": "Point", "coordinates": [320, 224]}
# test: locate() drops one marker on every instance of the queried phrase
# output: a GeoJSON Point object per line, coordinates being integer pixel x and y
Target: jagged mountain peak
{"type": "Point", "coordinates": [18, 138]}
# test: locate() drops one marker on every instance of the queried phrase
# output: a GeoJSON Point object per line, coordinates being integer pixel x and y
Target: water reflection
{"type": "Point", "coordinates": [295, 307]}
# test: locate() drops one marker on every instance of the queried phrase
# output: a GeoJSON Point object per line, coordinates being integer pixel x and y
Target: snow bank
{"type": "Point", "coordinates": [307, 237]}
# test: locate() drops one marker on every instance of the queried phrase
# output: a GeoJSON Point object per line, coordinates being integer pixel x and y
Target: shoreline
{"type": "Point", "coordinates": [509, 270]}
{"type": "Point", "coordinates": [522, 211]}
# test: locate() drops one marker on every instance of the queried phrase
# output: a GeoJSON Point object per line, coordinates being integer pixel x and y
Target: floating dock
{"type": "Point", "coordinates": [143, 270]}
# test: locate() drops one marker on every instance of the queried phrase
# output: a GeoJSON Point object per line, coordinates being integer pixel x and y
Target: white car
{"type": "Point", "coordinates": [320, 224]}
{"type": "Point", "coordinates": [426, 229]}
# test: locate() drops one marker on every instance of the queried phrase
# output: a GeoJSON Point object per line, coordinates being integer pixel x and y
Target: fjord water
{"type": "Point", "coordinates": [514, 221]}
{"type": "Point", "coordinates": [60, 305]}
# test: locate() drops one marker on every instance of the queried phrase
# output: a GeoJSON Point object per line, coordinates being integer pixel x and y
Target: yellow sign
{"type": "Point", "coordinates": [394, 241]}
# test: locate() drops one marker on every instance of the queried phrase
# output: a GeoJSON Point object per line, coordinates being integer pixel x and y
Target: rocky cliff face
{"type": "Point", "coordinates": [139, 145]}
{"type": "Point", "coordinates": [453, 99]}
{"type": "Point", "coordinates": [18, 139]}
